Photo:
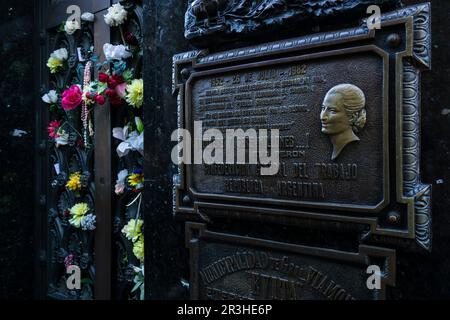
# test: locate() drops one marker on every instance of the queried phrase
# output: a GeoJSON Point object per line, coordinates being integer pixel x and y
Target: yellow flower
{"type": "Point", "coordinates": [78, 212]}
{"type": "Point", "coordinates": [55, 64]}
{"type": "Point", "coordinates": [136, 179]}
{"type": "Point", "coordinates": [135, 93]}
{"type": "Point", "coordinates": [74, 183]}
{"type": "Point", "coordinates": [138, 249]}
{"type": "Point", "coordinates": [133, 230]}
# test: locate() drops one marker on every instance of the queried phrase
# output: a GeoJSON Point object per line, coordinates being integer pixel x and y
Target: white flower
{"type": "Point", "coordinates": [116, 15]}
{"type": "Point", "coordinates": [50, 97]}
{"type": "Point", "coordinates": [72, 26]}
{"type": "Point", "coordinates": [122, 176]}
{"type": "Point", "coordinates": [60, 54]}
{"type": "Point", "coordinates": [131, 142]}
{"type": "Point", "coordinates": [113, 52]}
{"type": "Point", "coordinates": [62, 139]}
{"type": "Point", "coordinates": [87, 16]}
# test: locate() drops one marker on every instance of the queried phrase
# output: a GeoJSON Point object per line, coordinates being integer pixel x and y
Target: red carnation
{"type": "Point", "coordinates": [100, 99]}
{"type": "Point", "coordinates": [53, 129]}
{"type": "Point", "coordinates": [110, 93]}
{"type": "Point", "coordinates": [131, 39]}
{"type": "Point", "coordinates": [115, 80]}
{"type": "Point", "coordinates": [112, 84]}
{"type": "Point", "coordinates": [115, 100]}
{"type": "Point", "coordinates": [103, 77]}
{"type": "Point", "coordinates": [72, 97]}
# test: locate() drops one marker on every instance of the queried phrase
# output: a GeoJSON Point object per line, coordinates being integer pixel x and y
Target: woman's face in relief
{"type": "Point", "coordinates": [333, 115]}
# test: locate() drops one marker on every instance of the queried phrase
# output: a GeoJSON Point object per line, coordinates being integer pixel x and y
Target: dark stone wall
{"type": "Point", "coordinates": [16, 151]}
{"type": "Point", "coordinates": [427, 276]}
{"type": "Point", "coordinates": [166, 259]}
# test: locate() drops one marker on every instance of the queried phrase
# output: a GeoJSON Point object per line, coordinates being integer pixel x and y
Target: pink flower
{"type": "Point", "coordinates": [120, 189]}
{"type": "Point", "coordinates": [121, 90]}
{"type": "Point", "coordinates": [131, 39]}
{"type": "Point", "coordinates": [53, 129]}
{"type": "Point", "coordinates": [72, 97]}
{"type": "Point", "coordinates": [68, 261]}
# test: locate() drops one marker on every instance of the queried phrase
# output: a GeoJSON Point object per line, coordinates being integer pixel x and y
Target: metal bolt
{"type": "Point", "coordinates": [187, 200]}
{"type": "Point", "coordinates": [394, 217]}
{"type": "Point", "coordinates": [185, 73]}
{"type": "Point", "coordinates": [393, 40]}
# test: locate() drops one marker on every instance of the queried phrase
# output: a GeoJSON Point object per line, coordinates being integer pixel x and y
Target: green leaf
{"type": "Point", "coordinates": [136, 286]}
{"type": "Point", "coordinates": [86, 281]}
{"type": "Point", "coordinates": [139, 125]}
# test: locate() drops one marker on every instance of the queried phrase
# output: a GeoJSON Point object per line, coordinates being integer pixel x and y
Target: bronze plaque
{"type": "Point", "coordinates": [347, 106]}
{"type": "Point", "coordinates": [288, 95]}
{"type": "Point", "coordinates": [229, 267]}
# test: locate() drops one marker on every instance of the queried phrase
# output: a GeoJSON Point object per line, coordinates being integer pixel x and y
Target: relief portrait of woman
{"type": "Point", "coordinates": [343, 115]}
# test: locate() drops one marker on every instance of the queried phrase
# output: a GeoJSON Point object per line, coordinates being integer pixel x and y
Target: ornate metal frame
{"type": "Point", "coordinates": [407, 191]}
{"type": "Point", "coordinates": [197, 234]}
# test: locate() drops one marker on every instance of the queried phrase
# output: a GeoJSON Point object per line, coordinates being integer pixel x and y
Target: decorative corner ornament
{"type": "Point", "coordinates": [213, 20]}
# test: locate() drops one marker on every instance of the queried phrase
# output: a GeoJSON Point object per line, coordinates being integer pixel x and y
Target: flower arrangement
{"type": "Point", "coordinates": [71, 103]}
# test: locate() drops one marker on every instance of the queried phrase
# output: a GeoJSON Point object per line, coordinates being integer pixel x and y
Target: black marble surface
{"type": "Point", "coordinates": [16, 149]}
{"type": "Point", "coordinates": [427, 276]}
{"type": "Point", "coordinates": [166, 259]}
